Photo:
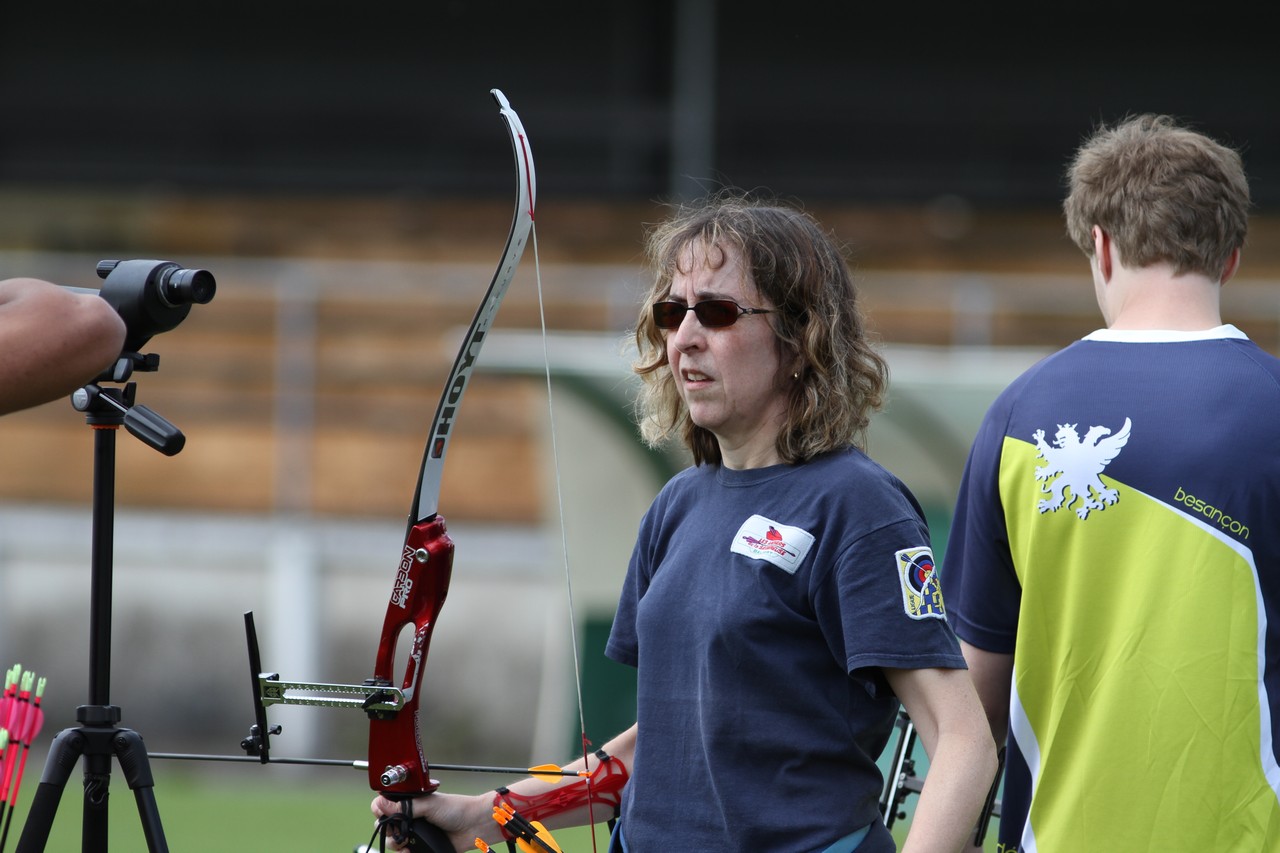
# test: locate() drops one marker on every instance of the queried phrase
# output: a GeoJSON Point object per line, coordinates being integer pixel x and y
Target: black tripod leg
{"type": "Point", "coordinates": [137, 772]}
{"type": "Point", "coordinates": [64, 754]}
{"type": "Point", "coordinates": [97, 792]}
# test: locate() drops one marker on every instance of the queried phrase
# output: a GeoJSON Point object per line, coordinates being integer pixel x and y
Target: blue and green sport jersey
{"type": "Point", "coordinates": [1118, 531]}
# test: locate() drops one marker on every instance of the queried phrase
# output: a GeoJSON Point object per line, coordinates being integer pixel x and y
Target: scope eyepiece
{"type": "Point", "coordinates": [174, 285]}
{"type": "Point", "coordinates": [183, 287]}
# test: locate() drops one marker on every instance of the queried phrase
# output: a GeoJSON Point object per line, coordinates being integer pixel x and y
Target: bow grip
{"type": "Point", "coordinates": [428, 837]}
{"type": "Point", "coordinates": [397, 764]}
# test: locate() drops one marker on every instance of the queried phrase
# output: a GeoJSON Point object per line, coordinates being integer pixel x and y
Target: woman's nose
{"type": "Point", "coordinates": [689, 333]}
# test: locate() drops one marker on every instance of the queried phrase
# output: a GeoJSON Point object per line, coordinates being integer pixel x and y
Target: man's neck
{"type": "Point", "coordinates": [1153, 298]}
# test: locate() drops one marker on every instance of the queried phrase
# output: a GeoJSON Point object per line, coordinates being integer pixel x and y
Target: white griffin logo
{"type": "Point", "coordinates": [1077, 463]}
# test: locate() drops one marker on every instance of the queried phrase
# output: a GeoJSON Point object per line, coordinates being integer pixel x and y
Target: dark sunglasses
{"type": "Point", "coordinates": [712, 313]}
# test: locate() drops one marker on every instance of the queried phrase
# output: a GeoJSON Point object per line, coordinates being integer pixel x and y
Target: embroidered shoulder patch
{"type": "Point", "coordinates": [921, 594]}
{"type": "Point", "coordinates": [762, 539]}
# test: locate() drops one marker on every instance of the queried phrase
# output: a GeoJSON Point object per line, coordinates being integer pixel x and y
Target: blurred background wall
{"type": "Point", "coordinates": [343, 173]}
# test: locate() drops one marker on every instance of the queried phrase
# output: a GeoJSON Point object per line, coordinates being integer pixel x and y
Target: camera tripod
{"type": "Point", "coordinates": [98, 736]}
{"type": "Point", "coordinates": [151, 296]}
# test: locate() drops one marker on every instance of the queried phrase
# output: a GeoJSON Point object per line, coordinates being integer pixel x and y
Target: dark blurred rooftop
{"type": "Point", "coordinates": [629, 101]}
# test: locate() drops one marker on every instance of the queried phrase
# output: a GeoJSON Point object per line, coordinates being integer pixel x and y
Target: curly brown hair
{"type": "Point", "coordinates": [801, 270]}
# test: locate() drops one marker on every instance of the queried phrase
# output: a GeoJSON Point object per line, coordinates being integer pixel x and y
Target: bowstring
{"type": "Point", "coordinates": [564, 536]}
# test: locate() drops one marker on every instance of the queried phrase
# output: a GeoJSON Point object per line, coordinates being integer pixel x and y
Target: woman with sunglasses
{"type": "Point", "coordinates": [781, 597]}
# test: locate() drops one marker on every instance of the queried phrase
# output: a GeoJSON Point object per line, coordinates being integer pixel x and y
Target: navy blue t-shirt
{"type": "Point", "coordinates": [758, 607]}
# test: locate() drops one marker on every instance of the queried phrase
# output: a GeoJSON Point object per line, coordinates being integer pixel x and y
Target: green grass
{"type": "Point", "coordinates": [230, 812]}
{"type": "Point", "coordinates": [226, 814]}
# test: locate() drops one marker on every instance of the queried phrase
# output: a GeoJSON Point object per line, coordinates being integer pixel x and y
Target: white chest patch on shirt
{"type": "Point", "coordinates": [762, 539]}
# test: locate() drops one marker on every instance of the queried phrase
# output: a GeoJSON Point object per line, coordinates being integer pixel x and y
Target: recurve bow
{"type": "Point", "coordinates": [397, 764]}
